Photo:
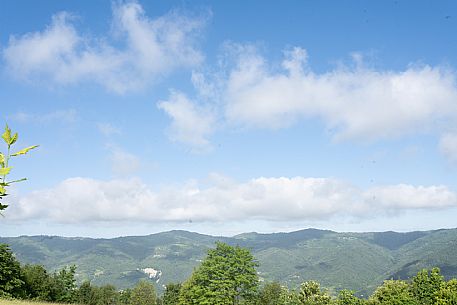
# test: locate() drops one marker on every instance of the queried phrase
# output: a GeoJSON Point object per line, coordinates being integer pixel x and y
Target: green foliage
{"type": "Point", "coordinates": [124, 296]}
{"type": "Point", "coordinates": [351, 260]}
{"type": "Point", "coordinates": [143, 294]}
{"type": "Point", "coordinates": [37, 282]}
{"type": "Point", "coordinates": [33, 281]}
{"type": "Point", "coordinates": [63, 285]}
{"type": "Point", "coordinates": [93, 295]}
{"type": "Point", "coordinates": [5, 169]}
{"type": "Point", "coordinates": [226, 276]}
{"type": "Point", "coordinates": [393, 292]}
{"type": "Point", "coordinates": [136, 250]}
{"type": "Point", "coordinates": [288, 297]}
{"type": "Point", "coordinates": [426, 284]}
{"type": "Point", "coordinates": [447, 295]}
{"type": "Point", "coordinates": [171, 294]}
{"type": "Point", "coordinates": [347, 297]}
{"type": "Point", "coordinates": [107, 295]}
{"type": "Point", "coordinates": [311, 294]}
{"type": "Point", "coordinates": [11, 283]}
{"type": "Point", "coordinates": [86, 294]}
{"type": "Point", "coordinates": [270, 294]}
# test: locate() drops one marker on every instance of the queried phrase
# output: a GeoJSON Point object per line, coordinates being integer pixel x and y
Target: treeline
{"type": "Point", "coordinates": [226, 276]}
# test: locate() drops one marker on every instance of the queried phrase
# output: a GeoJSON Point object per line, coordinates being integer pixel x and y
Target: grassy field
{"type": "Point", "coordinates": [20, 302]}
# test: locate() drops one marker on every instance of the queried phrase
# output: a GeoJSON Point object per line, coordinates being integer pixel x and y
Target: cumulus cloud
{"type": "Point", "coordinates": [273, 199]}
{"type": "Point", "coordinates": [140, 51]}
{"type": "Point", "coordinates": [354, 102]}
{"type": "Point", "coordinates": [191, 124]}
{"type": "Point", "coordinates": [359, 102]}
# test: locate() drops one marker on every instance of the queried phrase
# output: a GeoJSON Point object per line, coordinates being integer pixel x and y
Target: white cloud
{"type": "Point", "coordinates": [151, 49]}
{"type": "Point", "coordinates": [62, 116]}
{"type": "Point", "coordinates": [359, 103]}
{"type": "Point", "coordinates": [191, 124]}
{"type": "Point", "coordinates": [403, 196]}
{"type": "Point", "coordinates": [273, 199]}
{"type": "Point", "coordinates": [354, 103]}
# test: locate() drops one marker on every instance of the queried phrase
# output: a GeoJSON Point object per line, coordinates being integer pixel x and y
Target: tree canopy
{"type": "Point", "coordinates": [227, 276]}
{"type": "Point", "coordinates": [10, 273]}
{"type": "Point", "coordinates": [143, 294]}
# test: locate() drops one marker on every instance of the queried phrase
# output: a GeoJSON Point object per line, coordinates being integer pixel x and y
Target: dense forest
{"type": "Point", "coordinates": [227, 275]}
{"type": "Point", "coordinates": [354, 261]}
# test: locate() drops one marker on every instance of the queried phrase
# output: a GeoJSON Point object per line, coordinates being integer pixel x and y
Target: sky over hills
{"type": "Point", "coordinates": [227, 117]}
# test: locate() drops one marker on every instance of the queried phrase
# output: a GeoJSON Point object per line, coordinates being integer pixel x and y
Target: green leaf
{"type": "Point", "coordinates": [14, 139]}
{"type": "Point", "coordinates": [2, 207]}
{"type": "Point", "coordinates": [7, 135]}
{"type": "Point", "coordinates": [2, 160]}
{"type": "Point", "coordinates": [4, 171]}
{"type": "Point", "coordinates": [24, 151]}
{"type": "Point", "coordinates": [2, 190]}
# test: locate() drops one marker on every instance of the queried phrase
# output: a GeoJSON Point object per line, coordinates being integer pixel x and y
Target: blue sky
{"type": "Point", "coordinates": [224, 117]}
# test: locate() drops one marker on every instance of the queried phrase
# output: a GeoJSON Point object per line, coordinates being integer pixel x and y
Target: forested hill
{"type": "Point", "coordinates": [359, 261]}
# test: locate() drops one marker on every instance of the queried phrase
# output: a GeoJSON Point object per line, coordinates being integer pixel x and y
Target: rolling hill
{"type": "Point", "coordinates": [358, 261]}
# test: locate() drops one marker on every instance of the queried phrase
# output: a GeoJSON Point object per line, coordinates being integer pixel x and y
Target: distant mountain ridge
{"type": "Point", "coordinates": [358, 261]}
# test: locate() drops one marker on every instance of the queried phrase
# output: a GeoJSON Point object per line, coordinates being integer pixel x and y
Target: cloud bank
{"type": "Point", "coordinates": [140, 51]}
{"type": "Point", "coordinates": [77, 200]}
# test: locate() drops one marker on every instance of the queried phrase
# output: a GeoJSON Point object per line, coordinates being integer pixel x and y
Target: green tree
{"type": "Point", "coordinates": [36, 282]}
{"type": "Point", "coordinates": [171, 294]}
{"type": "Point", "coordinates": [11, 283]}
{"type": "Point", "coordinates": [288, 297]}
{"type": "Point", "coordinates": [63, 285]}
{"type": "Point", "coordinates": [311, 294]}
{"type": "Point", "coordinates": [87, 294]}
{"type": "Point", "coordinates": [226, 276]}
{"type": "Point", "coordinates": [393, 292]}
{"type": "Point", "coordinates": [270, 294]}
{"type": "Point", "coordinates": [426, 284]}
{"type": "Point", "coordinates": [347, 297]}
{"type": "Point", "coordinates": [93, 295]}
{"type": "Point", "coordinates": [9, 138]}
{"type": "Point", "coordinates": [107, 295]}
{"type": "Point", "coordinates": [124, 296]}
{"type": "Point", "coordinates": [143, 294]}
{"type": "Point", "coordinates": [447, 295]}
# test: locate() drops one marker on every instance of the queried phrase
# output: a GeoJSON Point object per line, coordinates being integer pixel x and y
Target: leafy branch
{"type": "Point", "coordinates": [5, 169]}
